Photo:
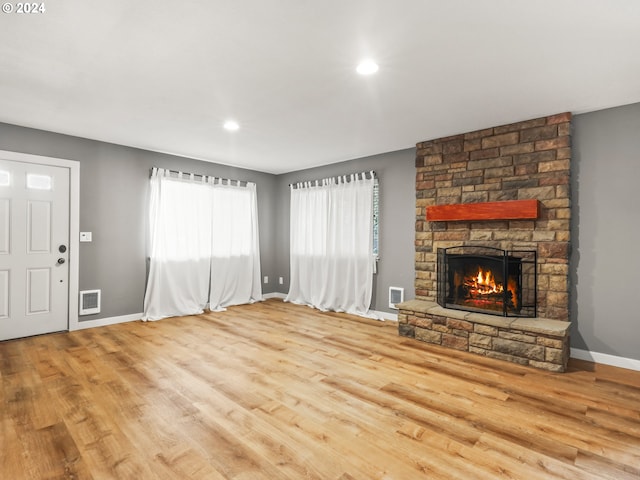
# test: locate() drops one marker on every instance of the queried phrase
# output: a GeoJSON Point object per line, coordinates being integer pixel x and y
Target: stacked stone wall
{"type": "Point", "coordinates": [519, 161]}
{"type": "Point", "coordinates": [524, 160]}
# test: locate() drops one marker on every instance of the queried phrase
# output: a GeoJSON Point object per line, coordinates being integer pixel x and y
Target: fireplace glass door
{"type": "Point", "coordinates": [487, 280]}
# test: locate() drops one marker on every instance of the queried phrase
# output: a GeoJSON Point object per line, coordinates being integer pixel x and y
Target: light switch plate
{"type": "Point", "coordinates": [85, 236]}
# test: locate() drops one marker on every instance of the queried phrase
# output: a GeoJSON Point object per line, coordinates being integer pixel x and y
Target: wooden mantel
{"type": "Point", "coordinates": [507, 210]}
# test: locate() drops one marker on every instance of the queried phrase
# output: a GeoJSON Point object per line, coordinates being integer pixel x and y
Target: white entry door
{"type": "Point", "coordinates": [34, 249]}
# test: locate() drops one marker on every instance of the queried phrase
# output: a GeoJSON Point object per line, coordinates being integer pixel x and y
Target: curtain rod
{"type": "Point", "coordinates": [228, 180]}
{"type": "Point", "coordinates": [335, 177]}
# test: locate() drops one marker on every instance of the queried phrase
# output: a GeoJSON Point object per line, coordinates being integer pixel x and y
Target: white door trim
{"type": "Point", "coordinates": [74, 221]}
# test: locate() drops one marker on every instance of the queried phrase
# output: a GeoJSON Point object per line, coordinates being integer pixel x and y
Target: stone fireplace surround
{"type": "Point", "coordinates": [520, 161]}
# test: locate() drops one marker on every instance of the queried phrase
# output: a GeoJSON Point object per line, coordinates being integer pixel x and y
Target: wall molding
{"type": "Point", "coordinates": [267, 296]}
{"type": "Point", "coordinates": [103, 322]}
{"type": "Point", "coordinates": [379, 314]}
{"type": "Point", "coordinates": [386, 315]}
{"type": "Point", "coordinates": [606, 359]}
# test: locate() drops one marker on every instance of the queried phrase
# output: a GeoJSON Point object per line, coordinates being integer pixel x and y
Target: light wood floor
{"type": "Point", "coordinates": [278, 391]}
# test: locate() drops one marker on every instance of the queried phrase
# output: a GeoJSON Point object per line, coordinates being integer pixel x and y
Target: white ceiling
{"type": "Point", "coordinates": [164, 75]}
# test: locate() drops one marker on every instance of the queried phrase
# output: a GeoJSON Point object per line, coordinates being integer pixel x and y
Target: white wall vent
{"type": "Point", "coordinates": [396, 295]}
{"type": "Point", "coordinates": [89, 302]}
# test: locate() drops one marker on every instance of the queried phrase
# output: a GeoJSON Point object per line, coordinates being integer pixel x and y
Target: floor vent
{"type": "Point", "coordinates": [396, 295]}
{"type": "Point", "coordinates": [89, 302]}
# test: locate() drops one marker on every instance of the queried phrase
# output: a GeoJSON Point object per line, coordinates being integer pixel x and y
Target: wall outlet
{"type": "Point", "coordinates": [266, 279]}
{"type": "Point", "coordinates": [281, 280]}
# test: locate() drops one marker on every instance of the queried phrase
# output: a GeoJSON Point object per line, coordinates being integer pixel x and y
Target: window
{"type": "Point", "coordinates": [332, 249]}
{"type": "Point", "coordinates": [376, 219]}
{"type": "Point", "coordinates": [39, 182]}
{"type": "Point", "coordinates": [5, 178]}
{"type": "Point", "coordinates": [204, 247]}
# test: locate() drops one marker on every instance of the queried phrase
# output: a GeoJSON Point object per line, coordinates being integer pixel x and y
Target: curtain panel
{"type": "Point", "coordinates": [331, 238]}
{"type": "Point", "coordinates": [204, 245]}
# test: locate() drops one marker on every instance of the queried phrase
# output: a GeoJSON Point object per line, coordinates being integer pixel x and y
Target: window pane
{"type": "Point", "coordinates": [5, 178]}
{"type": "Point", "coordinates": [39, 182]}
{"type": "Point", "coordinates": [183, 230]}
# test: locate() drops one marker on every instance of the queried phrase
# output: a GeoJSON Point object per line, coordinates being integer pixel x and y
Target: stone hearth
{"type": "Point", "coordinates": [538, 342]}
{"type": "Point", "coordinates": [520, 161]}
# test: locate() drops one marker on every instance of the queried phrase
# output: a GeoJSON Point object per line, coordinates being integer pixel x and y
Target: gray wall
{"type": "Point", "coordinates": [605, 223]}
{"type": "Point", "coordinates": [396, 174]}
{"type": "Point", "coordinates": [605, 260]}
{"type": "Point", "coordinates": [114, 183]}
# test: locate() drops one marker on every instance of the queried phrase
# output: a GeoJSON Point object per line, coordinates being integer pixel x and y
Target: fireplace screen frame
{"type": "Point", "coordinates": [520, 263]}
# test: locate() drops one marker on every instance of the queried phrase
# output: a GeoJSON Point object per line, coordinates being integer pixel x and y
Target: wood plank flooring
{"type": "Point", "coordinates": [279, 391]}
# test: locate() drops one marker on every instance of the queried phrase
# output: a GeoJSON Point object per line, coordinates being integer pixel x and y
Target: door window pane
{"type": "Point", "coordinates": [5, 178]}
{"type": "Point", "coordinates": [39, 182]}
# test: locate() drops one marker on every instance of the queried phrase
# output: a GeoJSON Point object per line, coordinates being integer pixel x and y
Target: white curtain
{"type": "Point", "coordinates": [332, 259]}
{"type": "Point", "coordinates": [235, 254]}
{"type": "Point", "coordinates": [204, 249]}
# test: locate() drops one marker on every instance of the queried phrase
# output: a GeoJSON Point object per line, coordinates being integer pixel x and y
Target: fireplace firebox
{"type": "Point", "coordinates": [488, 280]}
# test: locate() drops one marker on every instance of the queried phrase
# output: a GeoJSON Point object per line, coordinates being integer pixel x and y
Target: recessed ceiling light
{"type": "Point", "coordinates": [367, 67]}
{"type": "Point", "coordinates": [231, 125]}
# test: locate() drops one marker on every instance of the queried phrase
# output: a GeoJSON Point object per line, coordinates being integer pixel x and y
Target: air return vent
{"type": "Point", "coordinates": [396, 295]}
{"type": "Point", "coordinates": [89, 302]}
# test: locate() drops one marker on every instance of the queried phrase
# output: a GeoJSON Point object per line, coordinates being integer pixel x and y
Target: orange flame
{"type": "Point", "coordinates": [484, 283]}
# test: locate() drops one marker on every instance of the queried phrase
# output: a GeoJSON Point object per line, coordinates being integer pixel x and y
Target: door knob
{"type": "Point", "coordinates": [60, 261]}
{"type": "Point", "coordinates": [62, 248]}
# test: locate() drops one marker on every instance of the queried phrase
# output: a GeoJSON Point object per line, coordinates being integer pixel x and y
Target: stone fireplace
{"type": "Point", "coordinates": [498, 197]}
{"type": "Point", "coordinates": [487, 280]}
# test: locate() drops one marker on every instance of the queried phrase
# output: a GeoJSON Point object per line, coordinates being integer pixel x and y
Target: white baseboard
{"type": "Point", "coordinates": [381, 315]}
{"type": "Point", "coordinates": [103, 322]}
{"type": "Point", "coordinates": [606, 359]}
{"type": "Point", "coordinates": [267, 296]}
{"type": "Point", "coordinates": [386, 315]}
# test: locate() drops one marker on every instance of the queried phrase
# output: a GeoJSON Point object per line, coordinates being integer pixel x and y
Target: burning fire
{"type": "Point", "coordinates": [484, 283]}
